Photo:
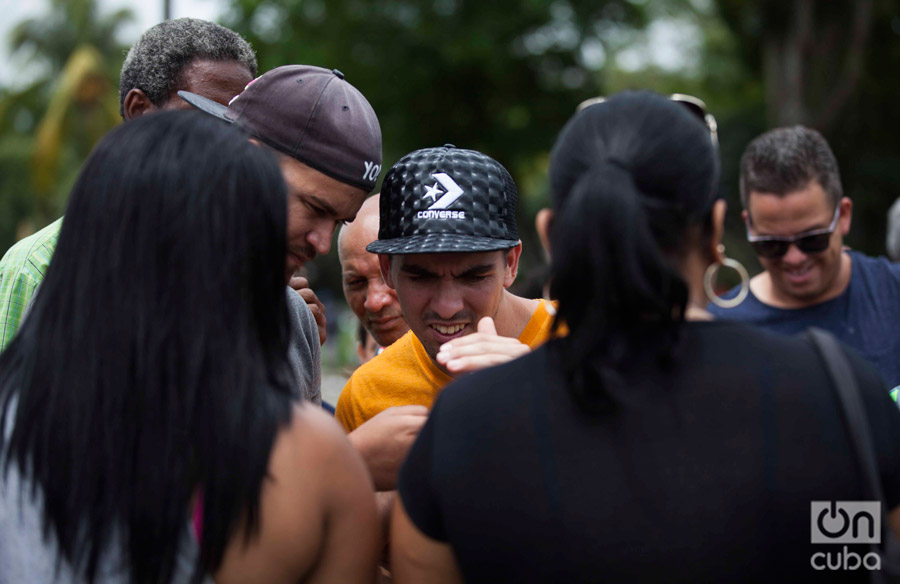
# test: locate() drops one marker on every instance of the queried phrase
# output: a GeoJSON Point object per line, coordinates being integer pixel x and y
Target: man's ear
{"type": "Point", "coordinates": [512, 265]}
{"type": "Point", "coordinates": [846, 215]}
{"type": "Point", "coordinates": [384, 262]}
{"type": "Point", "coordinates": [136, 104]}
{"type": "Point", "coordinates": [543, 222]}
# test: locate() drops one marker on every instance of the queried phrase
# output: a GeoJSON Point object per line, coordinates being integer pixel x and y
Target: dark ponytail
{"type": "Point", "coordinates": [631, 178]}
{"type": "Point", "coordinates": [611, 279]}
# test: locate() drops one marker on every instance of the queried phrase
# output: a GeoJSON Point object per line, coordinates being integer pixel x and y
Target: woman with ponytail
{"type": "Point", "coordinates": [649, 443]}
{"type": "Point", "coordinates": [148, 430]}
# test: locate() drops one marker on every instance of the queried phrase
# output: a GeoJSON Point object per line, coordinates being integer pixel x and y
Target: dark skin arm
{"type": "Point", "coordinates": [301, 285]}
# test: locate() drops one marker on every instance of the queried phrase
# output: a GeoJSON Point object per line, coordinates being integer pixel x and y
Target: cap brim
{"type": "Point", "coordinates": [205, 104]}
{"type": "Point", "coordinates": [439, 243]}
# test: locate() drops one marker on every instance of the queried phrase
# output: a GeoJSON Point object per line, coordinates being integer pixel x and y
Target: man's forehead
{"type": "Point", "coordinates": [338, 198]}
{"type": "Point", "coordinates": [361, 263]}
{"type": "Point", "coordinates": [809, 201]}
{"type": "Point", "coordinates": [448, 260]}
{"type": "Point", "coordinates": [791, 214]}
{"type": "Point", "coordinates": [356, 235]}
{"type": "Point", "coordinates": [360, 232]}
{"type": "Point", "coordinates": [219, 80]}
{"type": "Point", "coordinates": [811, 187]}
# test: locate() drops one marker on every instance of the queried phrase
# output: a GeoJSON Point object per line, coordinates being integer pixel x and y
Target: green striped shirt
{"type": "Point", "coordinates": [21, 270]}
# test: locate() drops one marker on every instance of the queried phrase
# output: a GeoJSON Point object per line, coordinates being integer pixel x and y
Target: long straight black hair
{"type": "Point", "coordinates": [633, 181]}
{"type": "Point", "coordinates": [152, 366]}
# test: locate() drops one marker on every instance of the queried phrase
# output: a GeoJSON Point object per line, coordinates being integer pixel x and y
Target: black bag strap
{"type": "Point", "coordinates": [844, 383]}
{"type": "Point", "coordinates": [848, 397]}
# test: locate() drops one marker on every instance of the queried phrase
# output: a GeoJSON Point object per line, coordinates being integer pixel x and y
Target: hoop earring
{"type": "Point", "coordinates": [710, 275]}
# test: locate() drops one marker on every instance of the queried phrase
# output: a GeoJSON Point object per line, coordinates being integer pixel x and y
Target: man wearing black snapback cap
{"type": "Point", "coordinates": [448, 244]}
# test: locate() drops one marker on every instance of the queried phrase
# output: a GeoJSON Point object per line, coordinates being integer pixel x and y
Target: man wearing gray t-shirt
{"type": "Point", "coordinates": [327, 140]}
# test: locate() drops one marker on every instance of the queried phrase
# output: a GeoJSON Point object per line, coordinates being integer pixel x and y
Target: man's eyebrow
{"type": "Point", "coordinates": [416, 270]}
{"type": "Point", "coordinates": [818, 227]}
{"type": "Point", "coordinates": [476, 270]}
{"type": "Point", "coordinates": [326, 206]}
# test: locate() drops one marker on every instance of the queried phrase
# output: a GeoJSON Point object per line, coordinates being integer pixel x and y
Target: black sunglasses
{"type": "Point", "coordinates": [775, 246]}
{"type": "Point", "coordinates": [694, 104]}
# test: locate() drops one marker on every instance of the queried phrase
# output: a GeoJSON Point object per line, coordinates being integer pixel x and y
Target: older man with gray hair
{"type": "Point", "coordinates": [184, 54]}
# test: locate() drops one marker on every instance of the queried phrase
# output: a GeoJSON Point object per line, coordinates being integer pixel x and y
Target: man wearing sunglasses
{"type": "Point", "coordinates": [796, 218]}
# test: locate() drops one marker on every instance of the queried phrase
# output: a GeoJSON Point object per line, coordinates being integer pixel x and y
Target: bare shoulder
{"type": "Point", "coordinates": [349, 539]}
{"type": "Point", "coordinates": [315, 449]}
{"type": "Point", "coordinates": [312, 425]}
{"type": "Point", "coordinates": [314, 476]}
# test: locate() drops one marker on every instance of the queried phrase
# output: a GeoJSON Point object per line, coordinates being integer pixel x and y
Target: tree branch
{"type": "Point", "coordinates": [843, 88]}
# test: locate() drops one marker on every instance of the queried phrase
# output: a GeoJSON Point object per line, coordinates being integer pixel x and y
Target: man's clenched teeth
{"type": "Point", "coordinates": [448, 330]}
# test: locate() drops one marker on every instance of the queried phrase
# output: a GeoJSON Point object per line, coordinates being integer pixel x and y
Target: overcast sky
{"type": "Point", "coordinates": [667, 44]}
{"type": "Point", "coordinates": [147, 13]}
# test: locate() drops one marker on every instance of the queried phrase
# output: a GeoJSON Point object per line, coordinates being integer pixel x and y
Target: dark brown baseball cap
{"type": "Point", "coordinates": [311, 114]}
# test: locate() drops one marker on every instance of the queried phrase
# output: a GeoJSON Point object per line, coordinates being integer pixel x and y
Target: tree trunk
{"type": "Point", "coordinates": [809, 81]}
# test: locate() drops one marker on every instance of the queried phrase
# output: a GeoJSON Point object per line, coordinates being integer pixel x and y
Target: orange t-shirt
{"type": "Point", "coordinates": [403, 374]}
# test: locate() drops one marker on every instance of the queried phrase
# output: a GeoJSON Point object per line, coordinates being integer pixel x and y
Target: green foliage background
{"type": "Point", "coordinates": [503, 76]}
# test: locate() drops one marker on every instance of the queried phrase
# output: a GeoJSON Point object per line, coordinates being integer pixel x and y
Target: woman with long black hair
{"type": "Point", "coordinates": [148, 431]}
{"type": "Point", "coordinates": [650, 443]}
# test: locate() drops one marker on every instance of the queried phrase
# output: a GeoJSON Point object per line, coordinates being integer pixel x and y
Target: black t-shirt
{"type": "Point", "coordinates": [705, 473]}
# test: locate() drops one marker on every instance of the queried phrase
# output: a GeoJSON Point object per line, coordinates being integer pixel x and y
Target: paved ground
{"type": "Point", "coordinates": [332, 384]}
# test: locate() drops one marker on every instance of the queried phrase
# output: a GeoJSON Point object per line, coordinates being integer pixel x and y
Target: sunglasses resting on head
{"type": "Point", "coordinates": [694, 104]}
{"type": "Point", "coordinates": [775, 246]}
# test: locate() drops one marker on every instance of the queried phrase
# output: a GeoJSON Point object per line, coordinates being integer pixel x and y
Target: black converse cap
{"type": "Point", "coordinates": [311, 114]}
{"type": "Point", "coordinates": [440, 200]}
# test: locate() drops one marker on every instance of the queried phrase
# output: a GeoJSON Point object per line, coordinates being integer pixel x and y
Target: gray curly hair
{"type": "Point", "coordinates": [156, 60]}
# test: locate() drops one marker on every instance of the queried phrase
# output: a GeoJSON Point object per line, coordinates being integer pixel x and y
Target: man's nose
{"type": "Point", "coordinates": [447, 301]}
{"type": "Point", "coordinates": [793, 255]}
{"type": "Point", "coordinates": [320, 237]}
{"type": "Point", "coordinates": [378, 295]}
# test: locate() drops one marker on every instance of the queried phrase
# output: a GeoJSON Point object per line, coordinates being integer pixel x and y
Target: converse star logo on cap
{"type": "Point", "coordinates": [448, 197]}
